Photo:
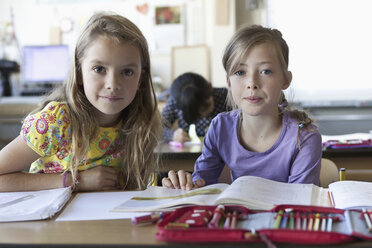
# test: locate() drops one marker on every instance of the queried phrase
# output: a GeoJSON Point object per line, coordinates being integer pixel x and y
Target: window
{"type": "Point", "coordinates": [330, 48]}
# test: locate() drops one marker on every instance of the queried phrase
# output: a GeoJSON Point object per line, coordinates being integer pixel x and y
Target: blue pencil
{"type": "Point", "coordinates": [329, 223]}
{"type": "Point", "coordinates": [284, 221]}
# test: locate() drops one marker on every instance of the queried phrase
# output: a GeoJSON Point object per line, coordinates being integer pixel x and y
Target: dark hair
{"type": "Point", "coordinates": [191, 92]}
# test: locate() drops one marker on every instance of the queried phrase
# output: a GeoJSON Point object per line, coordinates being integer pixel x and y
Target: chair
{"type": "Point", "coordinates": [328, 173]}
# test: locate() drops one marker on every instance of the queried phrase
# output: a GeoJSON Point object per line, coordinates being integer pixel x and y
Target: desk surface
{"type": "Point", "coordinates": [359, 152]}
{"type": "Point", "coordinates": [110, 233]}
{"type": "Point", "coordinates": [167, 151]}
{"type": "Point", "coordinates": [98, 233]}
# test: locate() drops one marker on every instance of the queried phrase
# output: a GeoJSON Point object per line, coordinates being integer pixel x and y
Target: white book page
{"type": "Point", "coordinates": [161, 198]}
{"type": "Point", "coordinates": [96, 206]}
{"type": "Point", "coordinates": [321, 197]}
{"type": "Point", "coordinates": [32, 205]}
{"type": "Point", "coordinates": [260, 193]}
{"type": "Point", "coordinates": [351, 194]}
{"type": "Point", "coordinates": [9, 199]}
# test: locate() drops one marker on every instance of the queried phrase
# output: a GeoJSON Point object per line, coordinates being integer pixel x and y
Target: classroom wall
{"type": "Point", "coordinates": [37, 22]}
{"type": "Point", "coordinates": [248, 12]}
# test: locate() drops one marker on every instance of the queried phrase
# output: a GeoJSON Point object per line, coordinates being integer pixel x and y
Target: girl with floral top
{"type": "Point", "coordinates": [99, 129]}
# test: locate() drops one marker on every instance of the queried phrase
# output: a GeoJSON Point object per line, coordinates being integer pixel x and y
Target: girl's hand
{"type": "Point", "coordinates": [181, 180]}
{"type": "Point", "coordinates": [180, 136]}
{"type": "Point", "coordinates": [97, 179]}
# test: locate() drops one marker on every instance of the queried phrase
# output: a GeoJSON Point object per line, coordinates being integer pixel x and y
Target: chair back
{"type": "Point", "coordinates": [328, 173]}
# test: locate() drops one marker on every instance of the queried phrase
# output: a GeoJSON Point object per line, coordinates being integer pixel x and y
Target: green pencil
{"type": "Point", "coordinates": [278, 219]}
{"type": "Point", "coordinates": [291, 220]}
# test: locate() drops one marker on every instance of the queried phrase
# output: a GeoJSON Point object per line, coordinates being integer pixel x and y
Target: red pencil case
{"type": "Point", "coordinates": [297, 224]}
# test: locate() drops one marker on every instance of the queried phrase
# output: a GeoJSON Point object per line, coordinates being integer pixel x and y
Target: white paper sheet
{"type": "Point", "coordinates": [32, 205]}
{"type": "Point", "coordinates": [351, 136]}
{"type": "Point", "coordinates": [97, 206]}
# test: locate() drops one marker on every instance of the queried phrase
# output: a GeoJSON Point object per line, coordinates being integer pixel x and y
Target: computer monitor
{"type": "Point", "coordinates": [45, 65]}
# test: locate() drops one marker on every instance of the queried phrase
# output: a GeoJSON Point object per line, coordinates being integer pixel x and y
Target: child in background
{"type": "Point", "coordinates": [192, 101]}
{"type": "Point", "coordinates": [98, 131]}
{"type": "Point", "coordinates": [262, 136]}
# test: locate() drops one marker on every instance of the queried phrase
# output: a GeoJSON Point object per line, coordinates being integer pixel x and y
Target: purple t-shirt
{"type": "Point", "coordinates": [283, 162]}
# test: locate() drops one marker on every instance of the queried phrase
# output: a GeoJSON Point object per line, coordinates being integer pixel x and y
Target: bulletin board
{"type": "Point", "coordinates": [190, 59]}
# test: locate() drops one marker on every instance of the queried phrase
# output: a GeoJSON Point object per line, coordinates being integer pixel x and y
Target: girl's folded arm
{"type": "Point", "coordinates": [22, 181]}
{"type": "Point", "coordinates": [16, 156]}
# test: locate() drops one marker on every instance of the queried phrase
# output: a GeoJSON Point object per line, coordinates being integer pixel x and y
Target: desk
{"type": "Point", "coordinates": [175, 158]}
{"type": "Point", "coordinates": [358, 162]}
{"type": "Point", "coordinates": [108, 233]}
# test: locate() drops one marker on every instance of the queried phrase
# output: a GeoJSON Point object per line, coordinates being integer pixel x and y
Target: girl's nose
{"type": "Point", "coordinates": [112, 83]}
{"type": "Point", "coordinates": [252, 83]}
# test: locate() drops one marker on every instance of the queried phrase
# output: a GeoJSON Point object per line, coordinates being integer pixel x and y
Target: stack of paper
{"type": "Point", "coordinates": [351, 136]}
{"type": "Point", "coordinates": [32, 205]}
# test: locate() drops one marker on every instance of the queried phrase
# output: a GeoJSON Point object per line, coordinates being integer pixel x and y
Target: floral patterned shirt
{"type": "Point", "coordinates": [48, 133]}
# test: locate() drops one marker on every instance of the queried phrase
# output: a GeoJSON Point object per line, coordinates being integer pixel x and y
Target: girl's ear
{"type": "Point", "coordinates": [288, 80]}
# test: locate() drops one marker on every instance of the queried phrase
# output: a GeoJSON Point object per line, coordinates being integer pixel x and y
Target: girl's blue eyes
{"type": "Point", "coordinates": [242, 73]}
{"type": "Point", "coordinates": [239, 73]}
{"type": "Point", "coordinates": [266, 72]}
{"type": "Point", "coordinates": [125, 72]}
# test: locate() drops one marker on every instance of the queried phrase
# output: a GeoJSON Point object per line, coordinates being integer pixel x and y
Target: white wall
{"type": "Point", "coordinates": [36, 20]}
{"type": "Point", "coordinates": [330, 49]}
{"type": "Point", "coordinates": [217, 38]}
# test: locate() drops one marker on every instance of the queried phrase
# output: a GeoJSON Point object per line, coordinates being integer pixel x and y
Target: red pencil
{"type": "Point", "coordinates": [149, 218]}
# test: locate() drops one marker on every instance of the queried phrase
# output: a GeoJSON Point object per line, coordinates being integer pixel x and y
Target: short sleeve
{"type": "Point", "coordinates": [48, 130]}
{"type": "Point", "coordinates": [209, 165]}
{"type": "Point", "coordinates": [307, 162]}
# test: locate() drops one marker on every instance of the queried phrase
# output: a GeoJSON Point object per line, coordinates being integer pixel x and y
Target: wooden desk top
{"type": "Point", "coordinates": [186, 152]}
{"type": "Point", "coordinates": [107, 233]}
{"type": "Point", "coordinates": [98, 233]}
{"type": "Point", "coordinates": [77, 232]}
{"type": "Point", "coordinates": [359, 152]}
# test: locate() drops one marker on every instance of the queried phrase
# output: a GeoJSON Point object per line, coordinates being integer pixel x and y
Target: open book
{"type": "Point", "coordinates": [250, 191]}
{"type": "Point", "coordinates": [254, 193]}
{"type": "Point", "coordinates": [32, 205]}
{"type": "Point", "coordinates": [351, 194]}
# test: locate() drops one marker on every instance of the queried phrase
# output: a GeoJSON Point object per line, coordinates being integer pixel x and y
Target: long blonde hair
{"type": "Point", "coordinates": [243, 40]}
{"type": "Point", "coordinates": [141, 127]}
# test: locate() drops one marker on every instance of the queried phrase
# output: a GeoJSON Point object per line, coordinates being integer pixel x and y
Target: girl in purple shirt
{"type": "Point", "coordinates": [262, 136]}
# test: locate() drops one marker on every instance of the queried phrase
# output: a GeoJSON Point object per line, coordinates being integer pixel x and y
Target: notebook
{"type": "Point", "coordinates": [32, 205]}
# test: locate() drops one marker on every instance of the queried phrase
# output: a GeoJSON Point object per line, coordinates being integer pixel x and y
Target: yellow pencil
{"type": "Point", "coordinates": [317, 222]}
{"type": "Point", "coordinates": [155, 179]}
{"type": "Point", "coordinates": [342, 173]}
